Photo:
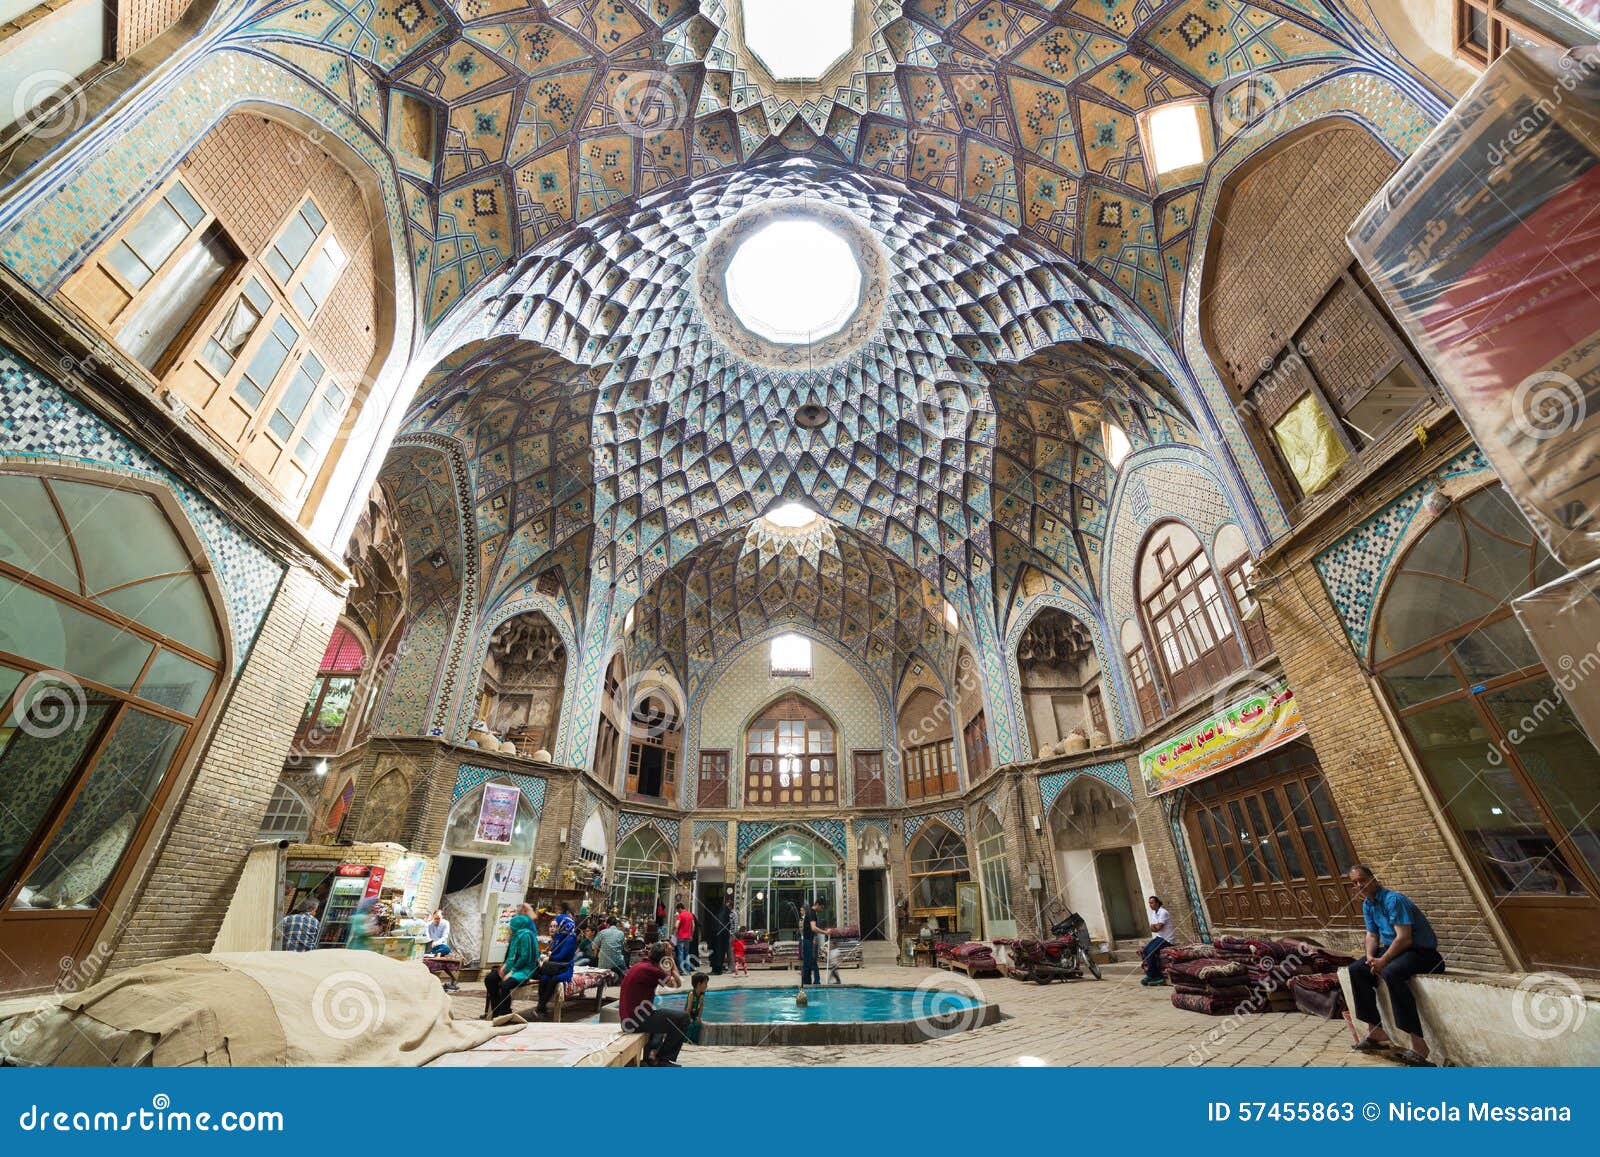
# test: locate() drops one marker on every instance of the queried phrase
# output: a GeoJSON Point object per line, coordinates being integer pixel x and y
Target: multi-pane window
{"type": "Point", "coordinates": [871, 788]}
{"type": "Point", "coordinates": [332, 692]}
{"type": "Point", "coordinates": [975, 737]}
{"type": "Point", "coordinates": [713, 788]}
{"type": "Point", "coordinates": [1486, 28]}
{"type": "Point", "coordinates": [930, 769]}
{"type": "Point", "coordinates": [1144, 686]}
{"type": "Point", "coordinates": [227, 335]}
{"type": "Point", "coordinates": [1344, 380]}
{"type": "Point", "coordinates": [1274, 849]}
{"type": "Point", "coordinates": [997, 916]}
{"type": "Point", "coordinates": [153, 283]}
{"type": "Point", "coordinates": [1189, 622]}
{"type": "Point", "coordinates": [937, 862]}
{"type": "Point", "coordinates": [1250, 618]}
{"type": "Point", "coordinates": [791, 757]}
{"type": "Point", "coordinates": [287, 818]}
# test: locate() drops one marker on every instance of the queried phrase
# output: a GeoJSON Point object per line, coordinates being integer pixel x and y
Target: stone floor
{"type": "Point", "coordinates": [1115, 1021]}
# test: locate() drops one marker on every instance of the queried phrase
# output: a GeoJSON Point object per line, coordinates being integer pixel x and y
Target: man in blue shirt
{"type": "Point", "coordinates": [1400, 945]}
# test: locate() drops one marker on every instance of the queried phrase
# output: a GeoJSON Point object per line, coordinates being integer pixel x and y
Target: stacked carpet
{"type": "Point", "coordinates": [1318, 994]}
{"type": "Point", "coordinates": [1249, 975]}
{"type": "Point", "coordinates": [976, 955]}
{"type": "Point", "coordinates": [1212, 986]}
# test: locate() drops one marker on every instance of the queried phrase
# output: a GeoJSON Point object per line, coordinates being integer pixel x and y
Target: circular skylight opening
{"type": "Point", "coordinates": [791, 516]}
{"type": "Point", "coordinates": [794, 282]}
{"type": "Point", "coordinates": [799, 41]}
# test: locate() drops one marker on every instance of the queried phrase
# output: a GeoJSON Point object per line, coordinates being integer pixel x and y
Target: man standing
{"type": "Point", "coordinates": [1400, 944]}
{"type": "Point", "coordinates": [611, 948]}
{"type": "Point", "coordinates": [638, 1012]}
{"type": "Point", "coordinates": [300, 928]}
{"type": "Point", "coordinates": [1162, 934]}
{"type": "Point", "coordinates": [683, 933]}
{"type": "Point", "coordinates": [810, 973]}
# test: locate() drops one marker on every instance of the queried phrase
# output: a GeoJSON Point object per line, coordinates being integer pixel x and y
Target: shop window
{"type": "Point", "coordinates": [109, 654]}
{"type": "Point", "coordinates": [641, 877]}
{"type": "Point", "coordinates": [1486, 28]}
{"type": "Point", "coordinates": [791, 757]}
{"type": "Point", "coordinates": [936, 863]}
{"type": "Point", "coordinates": [1273, 846]}
{"type": "Point", "coordinates": [1511, 768]}
{"type": "Point", "coordinates": [713, 790]}
{"type": "Point", "coordinates": [1186, 615]}
{"type": "Point", "coordinates": [288, 816]}
{"type": "Point", "coordinates": [998, 919]}
{"type": "Point", "coordinates": [872, 790]}
{"type": "Point", "coordinates": [784, 876]}
{"type": "Point", "coordinates": [152, 284]}
{"type": "Point", "coordinates": [1344, 380]}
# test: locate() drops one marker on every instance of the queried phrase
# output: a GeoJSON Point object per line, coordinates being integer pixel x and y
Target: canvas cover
{"type": "Point", "coordinates": [329, 1007]}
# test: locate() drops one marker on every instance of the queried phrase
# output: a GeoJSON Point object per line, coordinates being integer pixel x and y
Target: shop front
{"type": "Point", "coordinates": [1269, 845]}
{"type": "Point", "coordinates": [642, 880]}
{"type": "Point", "coordinates": [786, 875]}
{"type": "Point", "coordinates": [486, 862]}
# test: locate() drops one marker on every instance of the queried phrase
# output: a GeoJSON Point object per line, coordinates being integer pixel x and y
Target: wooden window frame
{"type": "Point", "coordinates": [1250, 881]}
{"type": "Point", "coordinates": [1146, 695]}
{"type": "Point", "coordinates": [868, 768]}
{"type": "Point", "coordinates": [1253, 626]}
{"type": "Point", "coordinates": [962, 872]}
{"type": "Point", "coordinates": [297, 275]}
{"type": "Point", "coordinates": [714, 783]}
{"type": "Point", "coordinates": [762, 766]}
{"type": "Point", "coordinates": [930, 769]}
{"type": "Point", "coordinates": [1501, 26]}
{"type": "Point", "coordinates": [1163, 610]}
{"type": "Point", "coordinates": [975, 743]}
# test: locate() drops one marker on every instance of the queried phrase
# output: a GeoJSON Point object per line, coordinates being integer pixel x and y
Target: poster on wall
{"type": "Point", "coordinates": [1486, 247]}
{"type": "Point", "coordinates": [509, 876]}
{"type": "Point", "coordinates": [497, 817]}
{"type": "Point", "coordinates": [1250, 727]}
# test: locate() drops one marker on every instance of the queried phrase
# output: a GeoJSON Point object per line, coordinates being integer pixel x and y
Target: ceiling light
{"type": "Point", "coordinates": [799, 41]}
{"type": "Point", "coordinates": [791, 516]}
{"type": "Point", "coordinates": [794, 282]}
{"type": "Point", "coordinates": [1174, 137]}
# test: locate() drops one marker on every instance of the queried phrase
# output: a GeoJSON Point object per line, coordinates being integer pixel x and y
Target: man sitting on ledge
{"type": "Point", "coordinates": [1400, 945]}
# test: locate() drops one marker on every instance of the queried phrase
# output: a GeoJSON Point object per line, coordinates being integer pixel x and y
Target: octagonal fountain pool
{"type": "Point", "coordinates": [836, 1015]}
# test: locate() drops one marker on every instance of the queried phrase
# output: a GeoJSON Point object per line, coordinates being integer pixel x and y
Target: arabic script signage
{"type": "Point", "coordinates": [1255, 724]}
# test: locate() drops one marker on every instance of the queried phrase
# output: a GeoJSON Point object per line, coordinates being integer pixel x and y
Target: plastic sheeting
{"type": "Point", "coordinates": [1486, 245]}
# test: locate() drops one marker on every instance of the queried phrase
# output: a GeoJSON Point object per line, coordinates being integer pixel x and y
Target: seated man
{"type": "Point", "coordinates": [638, 1011]}
{"type": "Point", "coordinates": [1400, 945]}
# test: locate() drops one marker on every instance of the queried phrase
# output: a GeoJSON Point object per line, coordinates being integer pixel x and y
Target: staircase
{"type": "Point", "coordinates": [879, 954]}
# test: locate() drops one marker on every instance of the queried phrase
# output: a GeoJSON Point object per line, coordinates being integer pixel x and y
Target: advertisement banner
{"type": "Point", "coordinates": [1486, 246]}
{"type": "Point", "coordinates": [497, 817]}
{"type": "Point", "coordinates": [1254, 725]}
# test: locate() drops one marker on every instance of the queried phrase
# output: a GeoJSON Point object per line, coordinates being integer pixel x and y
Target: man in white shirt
{"type": "Point", "coordinates": [1162, 933]}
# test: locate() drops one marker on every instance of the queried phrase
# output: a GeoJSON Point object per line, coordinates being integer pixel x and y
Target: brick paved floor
{"type": "Point", "coordinates": [1115, 1021]}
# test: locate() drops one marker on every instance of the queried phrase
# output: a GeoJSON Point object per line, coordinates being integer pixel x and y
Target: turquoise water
{"type": "Point", "coordinates": [825, 1005]}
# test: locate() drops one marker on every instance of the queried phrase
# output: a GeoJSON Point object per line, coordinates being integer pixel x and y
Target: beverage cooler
{"type": "Point", "coordinates": [352, 883]}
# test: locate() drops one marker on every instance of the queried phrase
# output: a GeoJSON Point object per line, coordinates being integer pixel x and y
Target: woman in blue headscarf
{"type": "Point", "coordinates": [557, 968]}
{"type": "Point", "coordinates": [522, 959]}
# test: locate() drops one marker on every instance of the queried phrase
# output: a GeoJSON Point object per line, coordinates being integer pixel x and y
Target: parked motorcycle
{"type": "Point", "coordinates": [1067, 955]}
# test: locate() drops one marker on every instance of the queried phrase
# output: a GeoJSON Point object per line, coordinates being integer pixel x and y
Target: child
{"type": "Point", "coordinates": [738, 957]}
{"type": "Point", "coordinates": [697, 1003]}
{"type": "Point", "coordinates": [833, 963]}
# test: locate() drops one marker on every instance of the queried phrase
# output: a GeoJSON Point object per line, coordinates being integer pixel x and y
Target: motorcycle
{"type": "Point", "coordinates": [1067, 955]}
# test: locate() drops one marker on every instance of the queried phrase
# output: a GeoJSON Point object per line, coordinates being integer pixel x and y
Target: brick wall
{"type": "Point", "coordinates": [283, 165]}
{"type": "Point", "coordinates": [1284, 223]}
{"type": "Point", "coordinates": [1390, 824]}
{"type": "Point", "coordinates": [141, 21]}
{"type": "Point", "coordinates": [196, 868]}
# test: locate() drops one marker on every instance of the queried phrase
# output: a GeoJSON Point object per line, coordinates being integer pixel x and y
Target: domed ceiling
{"type": "Point", "coordinates": [960, 435]}
{"type": "Point", "coordinates": [547, 116]}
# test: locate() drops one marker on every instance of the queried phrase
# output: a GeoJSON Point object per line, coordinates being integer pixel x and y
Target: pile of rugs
{"type": "Point", "coordinates": [757, 952]}
{"type": "Point", "coordinates": [975, 956]}
{"type": "Point", "coordinates": [1239, 975]}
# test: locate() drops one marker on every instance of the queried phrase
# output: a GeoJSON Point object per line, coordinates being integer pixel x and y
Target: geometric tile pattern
{"type": "Point", "coordinates": [1114, 773]}
{"type": "Point", "coordinates": [754, 832]}
{"type": "Point", "coordinates": [630, 822]}
{"type": "Point", "coordinates": [470, 776]}
{"type": "Point", "coordinates": [955, 820]}
{"type": "Point", "coordinates": [1354, 568]}
{"type": "Point", "coordinates": [40, 421]}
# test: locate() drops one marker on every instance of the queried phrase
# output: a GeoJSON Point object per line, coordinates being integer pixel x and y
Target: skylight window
{"type": "Point", "coordinates": [791, 516]}
{"type": "Point", "coordinates": [1116, 443]}
{"type": "Point", "coordinates": [799, 41]}
{"type": "Point", "coordinates": [952, 620]}
{"type": "Point", "coordinates": [794, 282]}
{"type": "Point", "coordinates": [1173, 136]}
{"type": "Point", "coordinates": [791, 656]}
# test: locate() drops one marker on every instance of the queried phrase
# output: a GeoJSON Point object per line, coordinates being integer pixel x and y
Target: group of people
{"type": "Point", "coordinates": [1398, 945]}
{"type": "Point", "coordinates": [523, 962]}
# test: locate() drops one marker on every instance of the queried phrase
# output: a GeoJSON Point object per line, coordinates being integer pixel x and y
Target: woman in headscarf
{"type": "Point", "coordinates": [557, 968]}
{"type": "Point", "coordinates": [522, 958]}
